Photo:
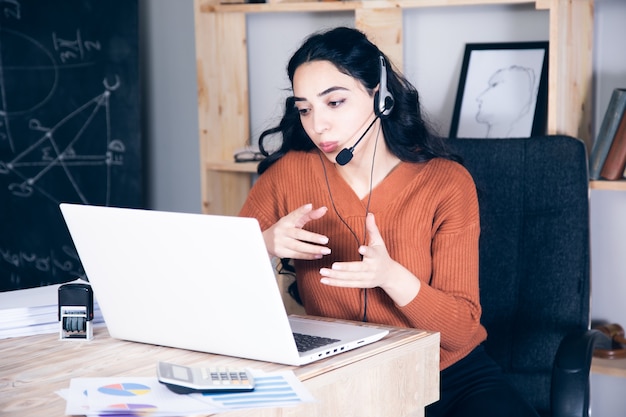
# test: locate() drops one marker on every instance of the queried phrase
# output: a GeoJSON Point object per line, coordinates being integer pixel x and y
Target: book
{"type": "Point", "coordinates": [607, 131]}
{"type": "Point", "coordinates": [613, 168]}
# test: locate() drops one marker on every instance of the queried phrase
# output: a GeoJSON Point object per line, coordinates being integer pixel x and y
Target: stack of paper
{"type": "Point", "coordinates": [146, 396]}
{"type": "Point", "coordinates": [33, 311]}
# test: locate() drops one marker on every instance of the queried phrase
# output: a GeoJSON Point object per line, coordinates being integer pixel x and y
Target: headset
{"type": "Point", "coordinates": [383, 104]}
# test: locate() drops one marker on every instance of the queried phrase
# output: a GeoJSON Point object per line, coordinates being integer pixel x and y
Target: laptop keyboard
{"type": "Point", "coordinates": [306, 342]}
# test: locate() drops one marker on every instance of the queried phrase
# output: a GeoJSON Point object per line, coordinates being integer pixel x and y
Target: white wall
{"type": "Point", "coordinates": [169, 105]}
{"type": "Point", "coordinates": [434, 41]}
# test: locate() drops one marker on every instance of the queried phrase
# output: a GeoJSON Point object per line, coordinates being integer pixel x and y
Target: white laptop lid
{"type": "Point", "coordinates": [192, 281]}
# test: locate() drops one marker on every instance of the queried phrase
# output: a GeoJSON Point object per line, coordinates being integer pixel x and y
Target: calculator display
{"type": "Point", "coordinates": [180, 372]}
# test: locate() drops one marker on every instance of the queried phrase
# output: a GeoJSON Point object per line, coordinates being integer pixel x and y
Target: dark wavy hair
{"type": "Point", "coordinates": [406, 132]}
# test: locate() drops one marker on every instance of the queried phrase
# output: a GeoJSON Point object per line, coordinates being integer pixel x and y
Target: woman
{"type": "Point", "coordinates": [380, 220]}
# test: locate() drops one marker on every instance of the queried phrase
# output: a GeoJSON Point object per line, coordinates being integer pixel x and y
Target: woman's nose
{"type": "Point", "coordinates": [320, 123]}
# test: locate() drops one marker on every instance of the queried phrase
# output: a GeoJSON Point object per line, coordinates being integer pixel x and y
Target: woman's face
{"type": "Point", "coordinates": [335, 108]}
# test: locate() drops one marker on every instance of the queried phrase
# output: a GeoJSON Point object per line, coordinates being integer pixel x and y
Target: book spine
{"type": "Point", "coordinates": [609, 126]}
{"type": "Point", "coordinates": [613, 168]}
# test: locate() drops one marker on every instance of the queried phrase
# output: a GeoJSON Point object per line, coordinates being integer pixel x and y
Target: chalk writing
{"type": "Point", "coordinates": [74, 49]}
{"type": "Point", "coordinates": [11, 8]}
{"type": "Point", "coordinates": [66, 262]}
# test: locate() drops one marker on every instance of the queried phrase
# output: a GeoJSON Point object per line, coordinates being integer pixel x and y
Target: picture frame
{"type": "Point", "coordinates": [502, 91]}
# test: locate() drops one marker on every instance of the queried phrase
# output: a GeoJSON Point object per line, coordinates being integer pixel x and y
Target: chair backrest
{"type": "Point", "coordinates": [534, 250]}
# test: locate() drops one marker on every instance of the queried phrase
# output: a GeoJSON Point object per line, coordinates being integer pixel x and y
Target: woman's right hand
{"type": "Point", "coordinates": [287, 238]}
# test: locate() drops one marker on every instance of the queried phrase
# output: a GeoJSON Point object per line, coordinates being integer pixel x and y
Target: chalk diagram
{"type": "Point", "coordinates": [64, 155]}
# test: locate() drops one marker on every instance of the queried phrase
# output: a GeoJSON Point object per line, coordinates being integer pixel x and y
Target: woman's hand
{"type": "Point", "coordinates": [376, 269]}
{"type": "Point", "coordinates": [287, 238]}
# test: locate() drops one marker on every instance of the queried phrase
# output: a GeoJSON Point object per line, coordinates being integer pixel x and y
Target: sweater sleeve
{"type": "Point", "coordinates": [448, 300]}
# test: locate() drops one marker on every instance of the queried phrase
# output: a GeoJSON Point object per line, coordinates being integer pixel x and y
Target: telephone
{"type": "Point", "coordinates": [618, 341]}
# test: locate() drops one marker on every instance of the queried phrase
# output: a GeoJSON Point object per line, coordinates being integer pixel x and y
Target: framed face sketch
{"type": "Point", "coordinates": [503, 91]}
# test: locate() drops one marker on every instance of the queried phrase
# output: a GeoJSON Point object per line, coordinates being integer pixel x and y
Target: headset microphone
{"type": "Point", "coordinates": [346, 154]}
{"type": "Point", "coordinates": [383, 103]}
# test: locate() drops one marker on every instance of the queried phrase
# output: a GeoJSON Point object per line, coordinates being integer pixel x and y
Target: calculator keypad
{"type": "Point", "coordinates": [225, 377]}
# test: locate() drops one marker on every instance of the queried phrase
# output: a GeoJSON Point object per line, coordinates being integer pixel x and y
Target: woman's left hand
{"type": "Point", "coordinates": [376, 269]}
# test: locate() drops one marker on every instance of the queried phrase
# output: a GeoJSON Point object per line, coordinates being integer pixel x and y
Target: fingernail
{"type": "Point", "coordinates": [325, 251]}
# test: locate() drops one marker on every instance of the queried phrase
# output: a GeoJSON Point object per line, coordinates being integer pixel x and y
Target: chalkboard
{"type": "Point", "coordinates": [69, 127]}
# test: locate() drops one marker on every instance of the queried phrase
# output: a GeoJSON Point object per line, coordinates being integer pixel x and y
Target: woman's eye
{"type": "Point", "coordinates": [336, 103]}
{"type": "Point", "coordinates": [303, 112]}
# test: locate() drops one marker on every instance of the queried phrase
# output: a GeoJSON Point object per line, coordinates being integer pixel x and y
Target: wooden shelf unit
{"type": "Point", "coordinates": [223, 102]}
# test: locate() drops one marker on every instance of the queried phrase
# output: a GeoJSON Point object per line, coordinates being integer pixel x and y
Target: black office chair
{"type": "Point", "coordinates": [534, 265]}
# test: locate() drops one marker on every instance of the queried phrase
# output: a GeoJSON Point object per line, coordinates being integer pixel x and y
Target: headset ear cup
{"type": "Point", "coordinates": [383, 104]}
{"type": "Point", "coordinates": [389, 102]}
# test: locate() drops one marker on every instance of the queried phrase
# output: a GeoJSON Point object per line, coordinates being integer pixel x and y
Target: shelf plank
{"type": "Point", "coordinates": [224, 166]}
{"type": "Point", "coordinates": [324, 6]}
{"type": "Point", "coordinates": [611, 367]}
{"type": "Point", "coordinates": [251, 168]}
{"type": "Point", "coordinates": [619, 185]}
{"type": "Point", "coordinates": [209, 6]}
{"type": "Point", "coordinates": [413, 4]}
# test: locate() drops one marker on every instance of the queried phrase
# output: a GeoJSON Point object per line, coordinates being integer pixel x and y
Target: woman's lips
{"type": "Point", "coordinates": [328, 147]}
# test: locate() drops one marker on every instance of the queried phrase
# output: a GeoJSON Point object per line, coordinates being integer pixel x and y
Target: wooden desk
{"type": "Point", "coordinates": [397, 376]}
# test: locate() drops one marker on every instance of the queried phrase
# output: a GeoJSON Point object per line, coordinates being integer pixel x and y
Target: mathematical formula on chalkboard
{"type": "Point", "coordinates": [69, 127]}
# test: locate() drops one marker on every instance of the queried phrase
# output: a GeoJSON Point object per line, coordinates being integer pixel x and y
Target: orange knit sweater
{"type": "Point", "coordinates": [427, 214]}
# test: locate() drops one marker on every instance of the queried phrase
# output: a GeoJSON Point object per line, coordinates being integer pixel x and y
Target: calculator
{"type": "Point", "coordinates": [186, 380]}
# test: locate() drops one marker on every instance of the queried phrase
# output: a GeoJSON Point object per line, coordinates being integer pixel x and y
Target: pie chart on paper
{"type": "Point", "coordinates": [134, 407]}
{"type": "Point", "coordinates": [127, 389]}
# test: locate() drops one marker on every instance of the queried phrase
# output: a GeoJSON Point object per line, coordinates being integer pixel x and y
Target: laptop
{"type": "Point", "coordinates": [195, 281]}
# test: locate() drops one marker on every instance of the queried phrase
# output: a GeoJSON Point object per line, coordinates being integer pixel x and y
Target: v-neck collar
{"type": "Point", "coordinates": [349, 204]}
